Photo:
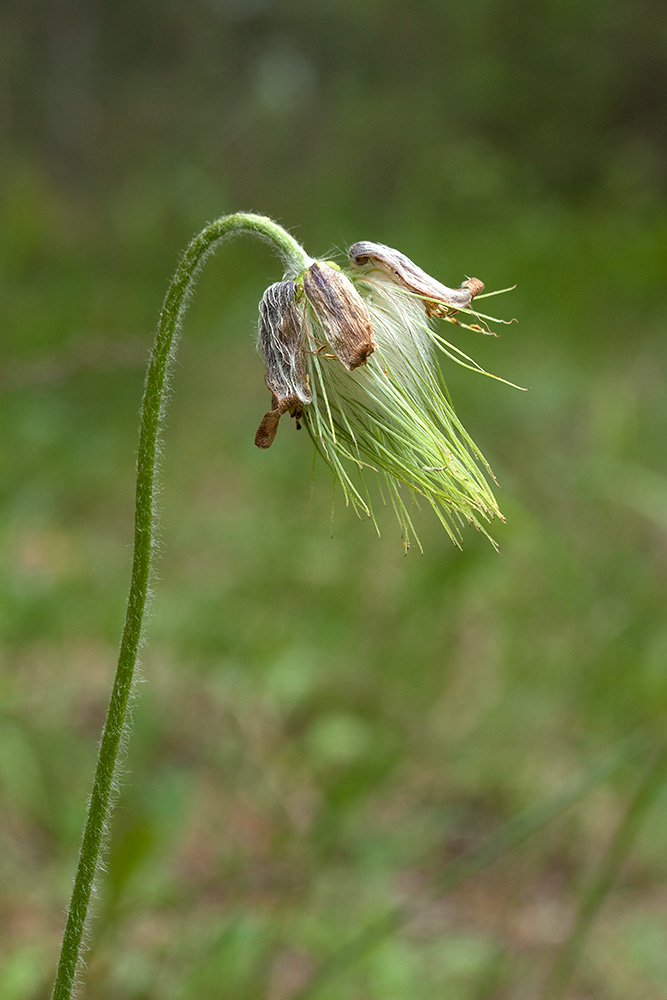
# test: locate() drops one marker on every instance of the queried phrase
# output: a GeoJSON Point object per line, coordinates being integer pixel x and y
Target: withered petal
{"type": "Point", "coordinates": [438, 298]}
{"type": "Point", "coordinates": [267, 429]}
{"type": "Point", "coordinates": [341, 312]}
{"type": "Point", "coordinates": [281, 341]}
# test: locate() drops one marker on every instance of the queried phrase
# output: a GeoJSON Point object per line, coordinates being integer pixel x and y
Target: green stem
{"type": "Point", "coordinates": [152, 412]}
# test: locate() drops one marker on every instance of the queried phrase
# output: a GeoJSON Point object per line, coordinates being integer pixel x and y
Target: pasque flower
{"type": "Point", "coordinates": [351, 356]}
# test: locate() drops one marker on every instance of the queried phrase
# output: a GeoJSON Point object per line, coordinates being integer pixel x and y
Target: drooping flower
{"type": "Point", "coordinates": [351, 355]}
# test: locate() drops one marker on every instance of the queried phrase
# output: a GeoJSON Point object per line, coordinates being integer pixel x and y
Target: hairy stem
{"type": "Point", "coordinates": [152, 412]}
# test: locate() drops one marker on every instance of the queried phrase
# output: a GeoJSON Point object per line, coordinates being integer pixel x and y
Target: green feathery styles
{"type": "Point", "coordinates": [393, 416]}
{"type": "Point", "coordinates": [367, 386]}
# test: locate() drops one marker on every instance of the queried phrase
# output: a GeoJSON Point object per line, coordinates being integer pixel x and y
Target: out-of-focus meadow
{"type": "Point", "coordinates": [326, 723]}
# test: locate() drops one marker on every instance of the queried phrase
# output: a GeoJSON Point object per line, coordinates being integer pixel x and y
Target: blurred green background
{"type": "Point", "coordinates": [326, 723]}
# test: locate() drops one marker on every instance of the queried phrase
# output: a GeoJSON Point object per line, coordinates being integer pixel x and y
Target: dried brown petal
{"type": "Point", "coordinates": [267, 429]}
{"type": "Point", "coordinates": [281, 342]}
{"type": "Point", "coordinates": [341, 312]}
{"type": "Point", "coordinates": [438, 298]}
{"type": "Point", "coordinates": [475, 285]}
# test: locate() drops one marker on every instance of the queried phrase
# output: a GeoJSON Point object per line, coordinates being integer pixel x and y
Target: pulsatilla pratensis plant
{"type": "Point", "coordinates": [350, 356]}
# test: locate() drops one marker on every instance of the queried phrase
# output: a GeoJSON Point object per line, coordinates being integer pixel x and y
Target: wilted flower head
{"type": "Point", "coordinates": [351, 355]}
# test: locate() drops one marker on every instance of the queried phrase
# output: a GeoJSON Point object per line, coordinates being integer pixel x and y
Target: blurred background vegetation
{"type": "Point", "coordinates": [325, 723]}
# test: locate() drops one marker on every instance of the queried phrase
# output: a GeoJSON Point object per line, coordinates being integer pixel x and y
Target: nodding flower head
{"type": "Point", "coordinates": [351, 356]}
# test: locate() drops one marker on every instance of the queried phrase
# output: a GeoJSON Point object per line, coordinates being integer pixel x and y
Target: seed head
{"type": "Point", "coordinates": [351, 355]}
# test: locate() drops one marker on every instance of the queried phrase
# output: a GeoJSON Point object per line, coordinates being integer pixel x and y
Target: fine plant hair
{"type": "Point", "coordinates": [350, 355]}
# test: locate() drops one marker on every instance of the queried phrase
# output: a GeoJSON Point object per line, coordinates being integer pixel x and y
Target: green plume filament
{"type": "Point", "coordinates": [393, 416]}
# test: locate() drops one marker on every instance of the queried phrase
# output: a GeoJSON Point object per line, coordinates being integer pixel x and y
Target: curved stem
{"type": "Point", "coordinates": [152, 411]}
